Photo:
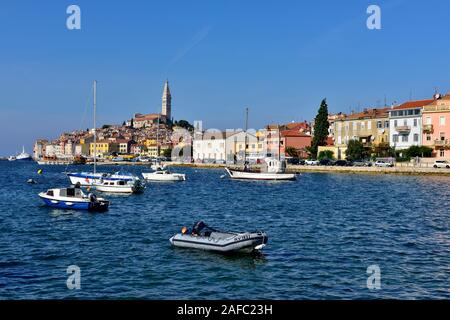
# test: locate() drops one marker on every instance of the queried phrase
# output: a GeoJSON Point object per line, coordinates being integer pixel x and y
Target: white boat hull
{"type": "Point", "coordinates": [247, 175]}
{"type": "Point", "coordinates": [153, 176]}
{"type": "Point", "coordinates": [115, 189]}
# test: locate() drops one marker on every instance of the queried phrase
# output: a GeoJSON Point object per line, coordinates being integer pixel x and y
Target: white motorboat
{"type": "Point", "coordinates": [120, 186]}
{"type": "Point", "coordinates": [163, 175]}
{"type": "Point", "coordinates": [272, 169]}
{"type": "Point", "coordinates": [206, 238]}
{"type": "Point", "coordinates": [90, 178]}
{"type": "Point", "coordinates": [11, 158]}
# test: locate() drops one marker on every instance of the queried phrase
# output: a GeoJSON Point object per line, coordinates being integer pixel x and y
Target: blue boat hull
{"type": "Point", "coordinates": [89, 206]}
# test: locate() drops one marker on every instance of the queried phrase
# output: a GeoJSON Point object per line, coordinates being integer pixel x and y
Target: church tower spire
{"type": "Point", "coordinates": [167, 102]}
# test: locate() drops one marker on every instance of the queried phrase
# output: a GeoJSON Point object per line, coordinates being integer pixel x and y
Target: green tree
{"type": "Point", "coordinates": [325, 154]}
{"type": "Point", "coordinates": [292, 152]}
{"type": "Point", "coordinates": [167, 153]}
{"type": "Point", "coordinates": [418, 151]}
{"type": "Point", "coordinates": [321, 126]}
{"type": "Point", "coordinates": [355, 150]}
{"type": "Point", "coordinates": [184, 124]}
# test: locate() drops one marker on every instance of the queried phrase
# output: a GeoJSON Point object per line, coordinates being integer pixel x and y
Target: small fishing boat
{"type": "Point", "coordinates": [163, 175]}
{"type": "Point", "coordinates": [120, 186]}
{"type": "Point", "coordinates": [272, 169]}
{"type": "Point", "coordinates": [11, 158]}
{"type": "Point", "coordinates": [206, 238]}
{"type": "Point", "coordinates": [73, 198]}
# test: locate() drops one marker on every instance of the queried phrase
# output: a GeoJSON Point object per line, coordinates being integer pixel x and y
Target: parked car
{"type": "Point", "coordinates": [341, 163]}
{"type": "Point", "coordinates": [361, 163]}
{"type": "Point", "coordinates": [302, 162]}
{"type": "Point", "coordinates": [441, 164]}
{"type": "Point", "coordinates": [312, 162]}
{"type": "Point", "coordinates": [292, 160]}
{"type": "Point", "coordinates": [326, 162]}
{"type": "Point", "coordinates": [381, 163]}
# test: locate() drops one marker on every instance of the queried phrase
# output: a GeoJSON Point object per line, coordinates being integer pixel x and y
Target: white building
{"type": "Point", "coordinates": [209, 146]}
{"type": "Point", "coordinates": [405, 123]}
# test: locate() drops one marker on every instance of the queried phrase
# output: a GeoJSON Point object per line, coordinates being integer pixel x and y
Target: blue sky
{"type": "Point", "coordinates": [279, 58]}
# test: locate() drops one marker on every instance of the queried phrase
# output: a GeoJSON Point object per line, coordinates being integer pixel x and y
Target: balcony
{"type": "Point", "coordinates": [403, 129]}
{"type": "Point", "coordinates": [428, 128]}
{"type": "Point", "coordinates": [439, 144]}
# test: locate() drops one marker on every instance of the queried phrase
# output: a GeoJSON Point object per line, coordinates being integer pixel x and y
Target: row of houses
{"type": "Point", "coordinates": [214, 145]}
{"type": "Point", "coordinates": [413, 123]}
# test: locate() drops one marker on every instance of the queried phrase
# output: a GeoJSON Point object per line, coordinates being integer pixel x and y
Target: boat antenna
{"type": "Point", "coordinates": [95, 129]}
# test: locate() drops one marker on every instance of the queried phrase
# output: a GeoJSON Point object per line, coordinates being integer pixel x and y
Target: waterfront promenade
{"type": "Point", "coordinates": [400, 168]}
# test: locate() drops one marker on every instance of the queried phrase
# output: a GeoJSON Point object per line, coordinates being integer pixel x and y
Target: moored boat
{"type": "Point", "coordinates": [204, 237]}
{"type": "Point", "coordinates": [73, 198]}
{"type": "Point", "coordinates": [272, 169]}
{"type": "Point", "coordinates": [120, 186]}
{"type": "Point", "coordinates": [23, 156]}
{"type": "Point", "coordinates": [163, 175]}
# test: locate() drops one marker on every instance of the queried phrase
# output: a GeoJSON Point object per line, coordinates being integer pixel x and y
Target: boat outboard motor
{"type": "Point", "coordinates": [92, 197]}
{"type": "Point", "coordinates": [198, 227]}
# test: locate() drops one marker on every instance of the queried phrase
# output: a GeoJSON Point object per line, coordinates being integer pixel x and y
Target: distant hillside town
{"type": "Point", "coordinates": [389, 131]}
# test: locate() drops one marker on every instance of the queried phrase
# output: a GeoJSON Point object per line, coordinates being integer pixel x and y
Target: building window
{"type": "Point", "coordinates": [395, 138]}
{"type": "Point", "coordinates": [386, 124]}
{"type": "Point", "coordinates": [416, 137]}
{"type": "Point", "coordinates": [428, 120]}
{"type": "Point", "coordinates": [442, 121]}
{"type": "Point", "coordinates": [415, 122]}
{"type": "Point", "coordinates": [369, 125]}
{"type": "Point", "coordinates": [428, 137]}
{"type": "Point", "coordinates": [404, 138]}
{"type": "Point", "coordinates": [442, 153]}
{"type": "Point", "coordinates": [379, 124]}
{"type": "Point", "coordinates": [395, 123]}
{"type": "Point", "coordinates": [405, 122]}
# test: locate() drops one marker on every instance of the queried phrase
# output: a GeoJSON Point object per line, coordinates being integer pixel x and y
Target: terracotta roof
{"type": "Point", "coordinates": [293, 133]}
{"type": "Point", "coordinates": [297, 125]}
{"type": "Point", "coordinates": [413, 104]}
{"type": "Point", "coordinates": [152, 116]}
{"type": "Point", "coordinates": [369, 114]}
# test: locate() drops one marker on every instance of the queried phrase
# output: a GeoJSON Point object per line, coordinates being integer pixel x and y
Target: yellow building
{"type": "Point", "coordinates": [370, 127]}
{"type": "Point", "coordinates": [103, 148]}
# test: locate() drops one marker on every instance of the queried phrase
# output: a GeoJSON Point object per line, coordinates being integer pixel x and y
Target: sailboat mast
{"type": "Point", "coordinates": [279, 143]}
{"type": "Point", "coordinates": [157, 140]}
{"type": "Point", "coordinates": [95, 128]}
{"type": "Point", "coordinates": [245, 142]}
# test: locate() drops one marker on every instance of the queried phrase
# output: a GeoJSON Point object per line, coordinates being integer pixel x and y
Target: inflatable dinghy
{"type": "Point", "coordinates": [206, 238]}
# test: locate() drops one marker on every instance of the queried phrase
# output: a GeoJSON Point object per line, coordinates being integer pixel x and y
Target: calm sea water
{"type": "Point", "coordinates": [324, 231]}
